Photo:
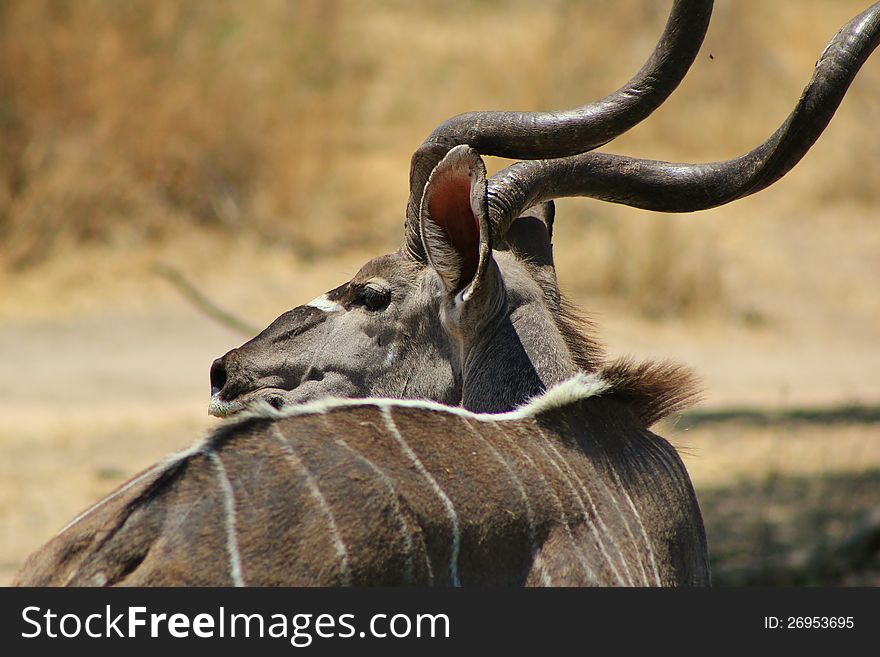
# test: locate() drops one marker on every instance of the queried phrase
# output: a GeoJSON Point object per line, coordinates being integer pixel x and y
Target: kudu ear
{"type": "Point", "coordinates": [530, 235]}
{"type": "Point", "coordinates": [454, 221]}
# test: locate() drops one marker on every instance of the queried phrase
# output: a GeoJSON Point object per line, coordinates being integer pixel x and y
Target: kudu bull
{"type": "Point", "coordinates": [570, 488]}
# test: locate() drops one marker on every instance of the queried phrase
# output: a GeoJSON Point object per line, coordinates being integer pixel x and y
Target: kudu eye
{"type": "Point", "coordinates": [374, 297]}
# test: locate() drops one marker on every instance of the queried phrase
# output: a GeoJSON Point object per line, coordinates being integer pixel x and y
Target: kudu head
{"type": "Point", "coordinates": [413, 323]}
{"type": "Point", "coordinates": [467, 311]}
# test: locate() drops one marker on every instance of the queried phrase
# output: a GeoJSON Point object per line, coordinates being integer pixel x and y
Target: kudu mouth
{"type": "Point", "coordinates": [233, 391]}
{"type": "Point", "coordinates": [307, 390]}
{"type": "Point", "coordinates": [219, 407]}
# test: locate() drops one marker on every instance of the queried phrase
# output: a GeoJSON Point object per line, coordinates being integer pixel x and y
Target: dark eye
{"type": "Point", "coordinates": [373, 297]}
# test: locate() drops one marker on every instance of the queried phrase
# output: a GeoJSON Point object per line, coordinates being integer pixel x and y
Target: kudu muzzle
{"type": "Point", "coordinates": [251, 372]}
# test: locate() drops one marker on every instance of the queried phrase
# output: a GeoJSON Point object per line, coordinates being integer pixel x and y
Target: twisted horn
{"type": "Point", "coordinates": [532, 135]}
{"type": "Point", "coordinates": [676, 187]}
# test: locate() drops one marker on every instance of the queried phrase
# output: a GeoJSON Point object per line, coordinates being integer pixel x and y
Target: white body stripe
{"type": "Point", "coordinates": [602, 526]}
{"type": "Point", "coordinates": [116, 493]}
{"type": "Point", "coordinates": [229, 506]}
{"type": "Point", "coordinates": [321, 501]}
{"type": "Point", "coordinates": [638, 516]}
{"type": "Point", "coordinates": [568, 480]}
{"type": "Point", "coordinates": [160, 467]}
{"type": "Point", "coordinates": [626, 524]}
{"type": "Point", "coordinates": [530, 514]}
{"type": "Point", "coordinates": [409, 569]}
{"type": "Point", "coordinates": [447, 503]}
{"type": "Point", "coordinates": [588, 571]}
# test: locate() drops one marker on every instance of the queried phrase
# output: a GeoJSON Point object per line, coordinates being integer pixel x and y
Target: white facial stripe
{"type": "Point", "coordinates": [323, 303]}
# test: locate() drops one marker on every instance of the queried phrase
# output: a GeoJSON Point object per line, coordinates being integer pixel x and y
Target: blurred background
{"type": "Point", "coordinates": [259, 153]}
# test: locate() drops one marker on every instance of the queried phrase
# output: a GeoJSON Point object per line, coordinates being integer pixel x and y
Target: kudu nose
{"type": "Point", "coordinates": [218, 375]}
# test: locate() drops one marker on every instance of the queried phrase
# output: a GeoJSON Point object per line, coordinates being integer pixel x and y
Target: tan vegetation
{"type": "Point", "coordinates": [262, 149]}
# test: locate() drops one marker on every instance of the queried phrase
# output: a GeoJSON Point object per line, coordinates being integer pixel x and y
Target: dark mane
{"type": "Point", "coordinates": [579, 335]}
{"type": "Point", "coordinates": [652, 391]}
{"type": "Point", "coordinates": [577, 331]}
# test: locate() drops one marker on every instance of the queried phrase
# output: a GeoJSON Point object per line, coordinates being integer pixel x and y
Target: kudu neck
{"type": "Point", "coordinates": [517, 356]}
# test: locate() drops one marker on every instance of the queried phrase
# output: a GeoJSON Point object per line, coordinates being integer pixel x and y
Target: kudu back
{"type": "Point", "coordinates": [467, 313]}
{"type": "Point", "coordinates": [389, 492]}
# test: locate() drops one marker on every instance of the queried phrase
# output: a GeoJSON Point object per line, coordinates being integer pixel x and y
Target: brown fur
{"type": "Point", "coordinates": [569, 496]}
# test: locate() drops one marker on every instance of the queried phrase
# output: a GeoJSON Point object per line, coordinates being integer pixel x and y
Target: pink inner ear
{"type": "Point", "coordinates": [449, 206]}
